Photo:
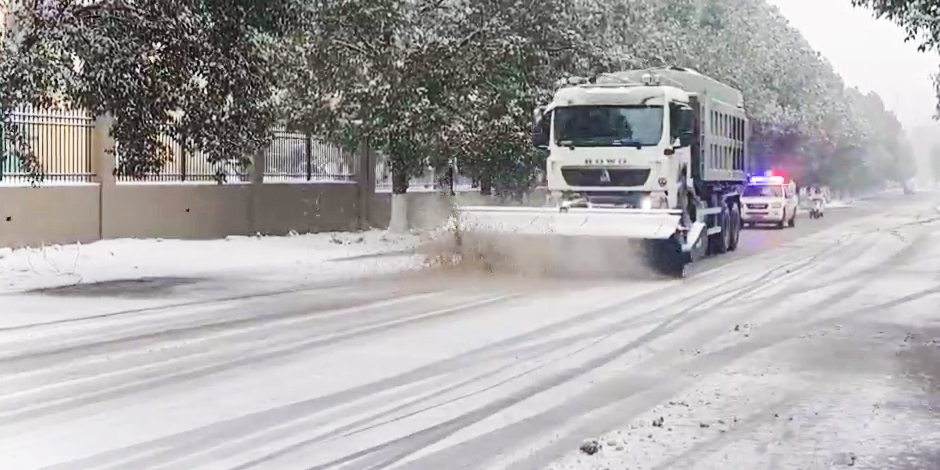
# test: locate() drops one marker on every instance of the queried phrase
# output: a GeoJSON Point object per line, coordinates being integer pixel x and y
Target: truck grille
{"type": "Point", "coordinates": [757, 206]}
{"type": "Point", "coordinates": [593, 176]}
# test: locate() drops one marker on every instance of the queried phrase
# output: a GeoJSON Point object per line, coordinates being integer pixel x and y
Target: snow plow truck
{"type": "Point", "coordinates": [655, 157]}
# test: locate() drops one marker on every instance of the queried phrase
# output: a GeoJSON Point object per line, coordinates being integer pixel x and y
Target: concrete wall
{"type": "Point", "coordinates": [56, 215]}
{"type": "Point", "coordinates": [211, 211]}
{"type": "Point", "coordinates": [69, 214]}
{"type": "Point", "coordinates": [304, 208]}
{"type": "Point", "coordinates": [176, 211]}
{"type": "Point", "coordinates": [427, 210]}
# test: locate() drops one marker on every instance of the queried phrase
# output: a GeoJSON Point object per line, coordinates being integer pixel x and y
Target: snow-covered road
{"type": "Point", "coordinates": [818, 353]}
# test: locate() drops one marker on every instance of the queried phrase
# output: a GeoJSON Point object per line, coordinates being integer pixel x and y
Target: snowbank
{"type": "Point", "coordinates": [839, 204]}
{"type": "Point", "coordinates": [806, 203]}
{"type": "Point", "coordinates": [289, 260]}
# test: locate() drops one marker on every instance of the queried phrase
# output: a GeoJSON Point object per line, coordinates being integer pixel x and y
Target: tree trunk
{"type": "Point", "coordinates": [451, 179]}
{"type": "Point", "coordinates": [486, 186]}
{"type": "Point", "coordinates": [398, 222]}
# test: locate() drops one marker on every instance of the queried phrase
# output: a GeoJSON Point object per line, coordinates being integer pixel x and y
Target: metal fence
{"type": "Point", "coordinates": [297, 157]}
{"type": "Point", "coordinates": [291, 157]}
{"type": "Point", "coordinates": [186, 165]}
{"type": "Point", "coordinates": [60, 140]}
{"type": "Point", "coordinates": [430, 179]}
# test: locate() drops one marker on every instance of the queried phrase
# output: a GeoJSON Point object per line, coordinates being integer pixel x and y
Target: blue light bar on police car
{"type": "Point", "coordinates": [767, 180]}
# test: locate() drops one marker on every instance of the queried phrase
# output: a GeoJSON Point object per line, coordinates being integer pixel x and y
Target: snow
{"type": "Point", "coordinates": [839, 204]}
{"type": "Point", "coordinates": [806, 203]}
{"type": "Point", "coordinates": [255, 263]}
{"type": "Point", "coordinates": [303, 255]}
{"type": "Point", "coordinates": [789, 355]}
{"type": "Point", "coordinates": [813, 361]}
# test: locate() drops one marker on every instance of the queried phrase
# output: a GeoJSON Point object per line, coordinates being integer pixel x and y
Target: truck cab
{"type": "Point", "coordinates": [769, 200]}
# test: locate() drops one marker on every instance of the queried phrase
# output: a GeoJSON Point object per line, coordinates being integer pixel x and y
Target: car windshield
{"type": "Point", "coordinates": [609, 126]}
{"type": "Point", "coordinates": [763, 191]}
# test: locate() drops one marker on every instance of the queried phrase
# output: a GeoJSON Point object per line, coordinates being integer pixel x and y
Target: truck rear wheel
{"type": "Point", "coordinates": [721, 241]}
{"type": "Point", "coordinates": [735, 227]}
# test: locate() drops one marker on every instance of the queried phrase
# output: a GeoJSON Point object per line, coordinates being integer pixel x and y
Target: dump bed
{"type": "Point", "coordinates": [690, 81]}
{"type": "Point", "coordinates": [719, 153]}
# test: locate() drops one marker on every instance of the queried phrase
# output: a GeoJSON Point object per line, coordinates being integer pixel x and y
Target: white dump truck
{"type": "Point", "coordinates": [656, 155]}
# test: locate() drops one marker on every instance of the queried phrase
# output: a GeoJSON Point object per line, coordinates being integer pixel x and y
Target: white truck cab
{"type": "Point", "coordinates": [769, 200]}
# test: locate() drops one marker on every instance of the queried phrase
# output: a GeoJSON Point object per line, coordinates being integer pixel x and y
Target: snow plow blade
{"type": "Point", "coordinates": [580, 240]}
{"type": "Point", "coordinates": [595, 222]}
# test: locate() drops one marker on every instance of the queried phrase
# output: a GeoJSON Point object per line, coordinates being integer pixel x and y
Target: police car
{"type": "Point", "coordinates": [769, 200]}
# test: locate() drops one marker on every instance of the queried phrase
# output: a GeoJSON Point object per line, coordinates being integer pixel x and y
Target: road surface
{"type": "Point", "coordinates": [813, 347]}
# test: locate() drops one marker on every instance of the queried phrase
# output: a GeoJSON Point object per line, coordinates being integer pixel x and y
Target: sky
{"type": "Point", "coordinates": [870, 54]}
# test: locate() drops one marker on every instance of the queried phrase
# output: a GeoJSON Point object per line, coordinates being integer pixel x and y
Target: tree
{"type": "Point", "coordinates": [379, 71]}
{"type": "Point", "coordinates": [426, 81]}
{"type": "Point", "coordinates": [199, 71]}
{"type": "Point", "coordinates": [413, 78]}
{"type": "Point", "coordinates": [919, 18]}
{"type": "Point", "coordinates": [517, 66]}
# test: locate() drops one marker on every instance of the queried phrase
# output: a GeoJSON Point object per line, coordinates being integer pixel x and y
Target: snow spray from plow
{"type": "Point", "coordinates": [584, 242]}
{"type": "Point", "coordinates": [593, 222]}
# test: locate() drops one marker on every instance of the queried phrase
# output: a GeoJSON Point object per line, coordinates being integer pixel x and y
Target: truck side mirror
{"type": "Point", "coordinates": [540, 129]}
{"type": "Point", "coordinates": [686, 126]}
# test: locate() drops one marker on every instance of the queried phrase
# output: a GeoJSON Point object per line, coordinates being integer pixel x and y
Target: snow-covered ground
{"type": "Point", "coordinates": [818, 354]}
{"type": "Point", "coordinates": [805, 203]}
{"type": "Point", "coordinates": [839, 204]}
{"type": "Point", "coordinates": [294, 258]}
{"type": "Point", "coordinates": [210, 267]}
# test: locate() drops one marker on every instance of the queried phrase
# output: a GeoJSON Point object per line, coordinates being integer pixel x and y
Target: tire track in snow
{"type": "Point", "coordinates": [448, 457]}
{"type": "Point", "coordinates": [136, 312]}
{"type": "Point", "coordinates": [218, 319]}
{"type": "Point", "coordinates": [697, 304]}
{"type": "Point", "coordinates": [453, 373]}
{"type": "Point", "coordinates": [93, 393]}
{"type": "Point", "coordinates": [253, 421]}
{"type": "Point", "coordinates": [533, 334]}
{"type": "Point", "coordinates": [542, 387]}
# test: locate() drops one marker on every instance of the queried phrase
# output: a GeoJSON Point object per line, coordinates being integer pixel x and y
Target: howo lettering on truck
{"type": "Point", "coordinates": [656, 156]}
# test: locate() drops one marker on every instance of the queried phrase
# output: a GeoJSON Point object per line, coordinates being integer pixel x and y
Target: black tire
{"type": "Point", "coordinates": [735, 227]}
{"type": "Point", "coordinates": [719, 242]}
{"type": "Point", "coordinates": [792, 222]}
{"type": "Point", "coordinates": [783, 222]}
{"type": "Point", "coordinates": [666, 257]}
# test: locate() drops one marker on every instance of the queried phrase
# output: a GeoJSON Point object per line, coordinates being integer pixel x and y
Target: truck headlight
{"type": "Point", "coordinates": [646, 203]}
{"type": "Point", "coordinates": [777, 205]}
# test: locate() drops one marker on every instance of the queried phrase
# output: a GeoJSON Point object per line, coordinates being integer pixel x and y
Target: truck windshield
{"type": "Point", "coordinates": [608, 126]}
{"type": "Point", "coordinates": [763, 191]}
